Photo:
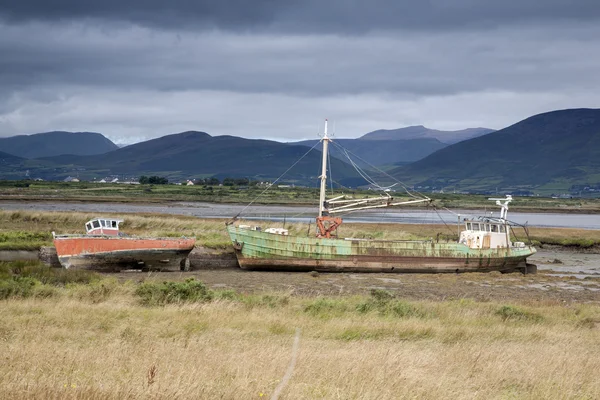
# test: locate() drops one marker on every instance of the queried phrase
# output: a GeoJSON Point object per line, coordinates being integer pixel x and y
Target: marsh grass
{"type": "Point", "coordinates": [21, 279]}
{"type": "Point", "coordinates": [26, 230]}
{"type": "Point", "coordinates": [161, 293]}
{"type": "Point", "coordinates": [234, 345]}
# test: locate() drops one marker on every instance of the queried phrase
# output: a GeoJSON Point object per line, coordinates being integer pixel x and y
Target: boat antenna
{"type": "Point", "coordinates": [503, 203]}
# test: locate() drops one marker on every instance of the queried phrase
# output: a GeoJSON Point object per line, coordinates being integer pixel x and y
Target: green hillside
{"type": "Point", "coordinates": [16, 168]}
{"type": "Point", "coordinates": [421, 132]}
{"type": "Point", "coordinates": [50, 144]}
{"type": "Point", "coordinates": [557, 149]}
{"type": "Point", "coordinates": [193, 154]}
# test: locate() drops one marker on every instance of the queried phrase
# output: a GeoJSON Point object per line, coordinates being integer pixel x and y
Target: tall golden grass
{"type": "Point", "coordinates": [73, 347]}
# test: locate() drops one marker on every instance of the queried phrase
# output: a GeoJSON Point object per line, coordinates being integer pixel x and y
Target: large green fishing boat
{"type": "Point", "coordinates": [484, 244]}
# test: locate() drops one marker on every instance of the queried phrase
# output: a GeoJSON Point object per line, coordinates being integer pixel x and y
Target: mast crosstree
{"type": "Point", "coordinates": [327, 224]}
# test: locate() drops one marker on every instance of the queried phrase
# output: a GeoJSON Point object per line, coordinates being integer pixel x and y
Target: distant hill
{"type": "Point", "coordinates": [383, 152]}
{"type": "Point", "coordinates": [421, 132]}
{"type": "Point", "coordinates": [13, 167]}
{"type": "Point", "coordinates": [55, 143]}
{"type": "Point", "coordinates": [6, 158]}
{"type": "Point", "coordinates": [400, 146]}
{"type": "Point", "coordinates": [193, 153]}
{"type": "Point", "coordinates": [554, 147]}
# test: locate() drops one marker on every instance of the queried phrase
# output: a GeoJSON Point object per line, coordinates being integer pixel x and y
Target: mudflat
{"type": "Point", "coordinates": [563, 276]}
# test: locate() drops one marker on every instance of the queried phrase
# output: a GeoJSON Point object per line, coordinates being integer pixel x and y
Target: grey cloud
{"type": "Point", "coordinates": [302, 16]}
{"type": "Point", "coordinates": [532, 59]}
{"type": "Point", "coordinates": [263, 69]}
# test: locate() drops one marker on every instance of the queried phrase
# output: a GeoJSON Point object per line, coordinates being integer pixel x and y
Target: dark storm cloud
{"type": "Point", "coordinates": [298, 16]}
{"type": "Point", "coordinates": [442, 64]}
{"type": "Point", "coordinates": [271, 69]}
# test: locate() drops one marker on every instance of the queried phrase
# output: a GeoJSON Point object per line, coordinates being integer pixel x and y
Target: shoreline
{"type": "Point", "coordinates": [165, 202]}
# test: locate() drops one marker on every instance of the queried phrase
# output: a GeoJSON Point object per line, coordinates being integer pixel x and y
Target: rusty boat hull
{"type": "Point", "coordinates": [258, 250]}
{"type": "Point", "coordinates": [114, 253]}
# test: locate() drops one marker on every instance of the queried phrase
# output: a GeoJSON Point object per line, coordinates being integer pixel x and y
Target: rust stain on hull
{"type": "Point", "coordinates": [264, 251]}
{"type": "Point", "coordinates": [114, 253]}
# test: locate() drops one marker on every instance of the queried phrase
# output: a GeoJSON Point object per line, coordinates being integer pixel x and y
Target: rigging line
{"type": "Point", "coordinates": [450, 211]}
{"type": "Point", "coordinates": [363, 174]}
{"type": "Point", "coordinates": [360, 171]}
{"type": "Point", "coordinates": [280, 176]}
{"type": "Point", "coordinates": [514, 234]}
{"type": "Point", "coordinates": [346, 151]}
{"type": "Point", "coordinates": [384, 173]}
{"type": "Point", "coordinates": [440, 217]}
{"type": "Point", "coordinates": [461, 215]}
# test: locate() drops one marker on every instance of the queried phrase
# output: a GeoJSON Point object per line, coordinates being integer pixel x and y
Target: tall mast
{"type": "Point", "coordinates": [323, 172]}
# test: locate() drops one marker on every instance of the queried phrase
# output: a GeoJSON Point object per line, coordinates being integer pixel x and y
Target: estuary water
{"type": "Point", "coordinates": [307, 214]}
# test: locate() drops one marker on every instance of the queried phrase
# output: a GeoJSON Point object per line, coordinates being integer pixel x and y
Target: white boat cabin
{"type": "Point", "coordinates": [103, 226]}
{"type": "Point", "coordinates": [485, 234]}
{"type": "Point", "coordinates": [489, 233]}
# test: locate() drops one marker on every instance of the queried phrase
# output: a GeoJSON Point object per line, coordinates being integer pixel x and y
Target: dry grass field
{"type": "Point", "coordinates": [69, 335]}
{"type": "Point", "coordinates": [99, 342]}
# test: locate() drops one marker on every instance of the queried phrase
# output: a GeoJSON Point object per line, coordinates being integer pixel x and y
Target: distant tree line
{"type": "Point", "coordinates": [154, 180]}
{"type": "Point", "coordinates": [235, 181]}
{"type": "Point", "coordinates": [226, 181]}
{"type": "Point", "coordinates": [207, 181]}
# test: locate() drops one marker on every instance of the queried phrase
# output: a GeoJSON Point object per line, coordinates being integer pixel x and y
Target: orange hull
{"type": "Point", "coordinates": [115, 253]}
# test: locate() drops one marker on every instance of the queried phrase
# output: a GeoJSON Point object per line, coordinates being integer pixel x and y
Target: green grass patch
{"type": "Point", "coordinates": [46, 275]}
{"type": "Point", "coordinates": [385, 304]}
{"type": "Point", "coordinates": [513, 313]}
{"type": "Point", "coordinates": [24, 240]}
{"type": "Point", "coordinates": [326, 308]}
{"type": "Point", "coordinates": [161, 293]}
{"type": "Point", "coordinates": [22, 279]}
{"type": "Point", "coordinates": [265, 300]}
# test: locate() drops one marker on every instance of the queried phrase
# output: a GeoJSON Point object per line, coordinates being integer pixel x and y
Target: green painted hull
{"type": "Point", "coordinates": [268, 251]}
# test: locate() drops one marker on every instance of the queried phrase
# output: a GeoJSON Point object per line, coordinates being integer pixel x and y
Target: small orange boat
{"type": "Point", "coordinates": [105, 248]}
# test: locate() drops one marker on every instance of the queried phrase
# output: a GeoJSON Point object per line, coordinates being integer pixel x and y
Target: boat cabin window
{"type": "Point", "coordinates": [475, 227]}
{"type": "Point", "coordinates": [468, 226]}
{"type": "Point", "coordinates": [114, 224]}
{"type": "Point", "coordinates": [502, 229]}
{"type": "Point", "coordinates": [96, 224]}
{"type": "Point", "coordinates": [88, 226]}
{"type": "Point", "coordinates": [494, 228]}
{"type": "Point", "coordinates": [103, 223]}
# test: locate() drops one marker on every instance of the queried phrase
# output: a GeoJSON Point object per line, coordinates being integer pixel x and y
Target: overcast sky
{"type": "Point", "coordinates": [135, 70]}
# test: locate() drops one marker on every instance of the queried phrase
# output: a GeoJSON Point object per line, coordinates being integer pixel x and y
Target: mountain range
{"type": "Point", "coordinates": [558, 148]}
{"type": "Point", "coordinates": [56, 143]}
{"type": "Point", "coordinates": [421, 132]}
{"type": "Point", "coordinates": [398, 146]}
{"type": "Point", "coordinates": [55, 155]}
{"type": "Point", "coordinates": [197, 154]}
